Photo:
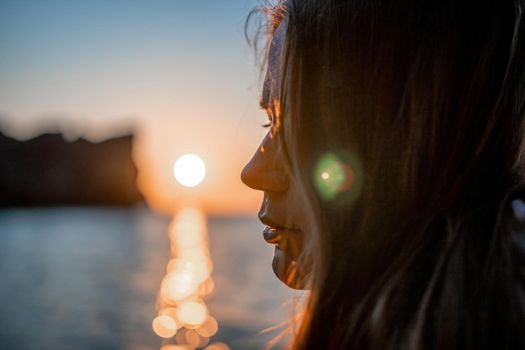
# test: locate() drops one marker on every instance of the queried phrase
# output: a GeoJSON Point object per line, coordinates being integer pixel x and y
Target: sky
{"type": "Point", "coordinates": [179, 73]}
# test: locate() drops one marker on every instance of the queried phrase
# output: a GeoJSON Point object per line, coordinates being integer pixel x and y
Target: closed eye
{"type": "Point", "coordinates": [269, 114]}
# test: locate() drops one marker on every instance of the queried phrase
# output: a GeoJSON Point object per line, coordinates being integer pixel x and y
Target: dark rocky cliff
{"type": "Point", "coordinates": [48, 170]}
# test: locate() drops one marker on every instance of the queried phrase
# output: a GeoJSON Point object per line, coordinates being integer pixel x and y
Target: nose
{"type": "Point", "coordinates": [266, 171]}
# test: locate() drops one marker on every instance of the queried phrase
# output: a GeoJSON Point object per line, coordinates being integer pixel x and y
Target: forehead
{"type": "Point", "coordinates": [273, 73]}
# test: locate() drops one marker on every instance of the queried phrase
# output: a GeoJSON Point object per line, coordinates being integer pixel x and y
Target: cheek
{"type": "Point", "coordinates": [297, 203]}
{"type": "Point", "coordinates": [292, 244]}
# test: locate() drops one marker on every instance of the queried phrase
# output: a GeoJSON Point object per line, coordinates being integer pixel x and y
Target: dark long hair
{"type": "Point", "coordinates": [424, 102]}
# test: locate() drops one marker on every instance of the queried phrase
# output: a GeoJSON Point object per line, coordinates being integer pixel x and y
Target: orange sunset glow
{"type": "Point", "coordinates": [179, 89]}
{"type": "Point", "coordinates": [220, 192]}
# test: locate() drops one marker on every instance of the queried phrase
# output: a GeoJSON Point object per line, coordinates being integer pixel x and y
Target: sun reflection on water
{"type": "Point", "coordinates": [183, 318]}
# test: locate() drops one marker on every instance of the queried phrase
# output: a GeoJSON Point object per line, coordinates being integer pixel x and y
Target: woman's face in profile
{"type": "Point", "coordinates": [281, 211]}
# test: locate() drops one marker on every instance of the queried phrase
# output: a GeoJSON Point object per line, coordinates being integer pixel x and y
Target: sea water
{"type": "Point", "coordinates": [88, 278]}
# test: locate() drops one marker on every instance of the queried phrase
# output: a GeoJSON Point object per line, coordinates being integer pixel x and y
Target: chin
{"type": "Point", "coordinates": [287, 270]}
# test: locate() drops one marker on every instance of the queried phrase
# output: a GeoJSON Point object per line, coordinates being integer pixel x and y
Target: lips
{"type": "Point", "coordinates": [273, 228]}
{"type": "Point", "coordinates": [278, 235]}
{"type": "Point", "coordinates": [272, 235]}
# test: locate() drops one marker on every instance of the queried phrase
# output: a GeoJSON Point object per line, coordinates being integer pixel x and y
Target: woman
{"type": "Point", "coordinates": [393, 170]}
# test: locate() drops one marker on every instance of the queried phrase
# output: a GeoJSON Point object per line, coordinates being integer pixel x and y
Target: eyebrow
{"type": "Point", "coordinates": [263, 104]}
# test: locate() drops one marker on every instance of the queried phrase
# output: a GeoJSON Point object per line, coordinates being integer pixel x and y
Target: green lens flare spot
{"type": "Point", "coordinates": [332, 176]}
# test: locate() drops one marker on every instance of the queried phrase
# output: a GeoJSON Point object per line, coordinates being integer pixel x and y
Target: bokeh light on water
{"type": "Point", "coordinates": [218, 346]}
{"type": "Point", "coordinates": [164, 326]}
{"type": "Point", "coordinates": [183, 316]}
{"type": "Point", "coordinates": [192, 313]}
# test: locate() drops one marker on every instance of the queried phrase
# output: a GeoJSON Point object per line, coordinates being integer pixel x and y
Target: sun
{"type": "Point", "coordinates": [189, 170]}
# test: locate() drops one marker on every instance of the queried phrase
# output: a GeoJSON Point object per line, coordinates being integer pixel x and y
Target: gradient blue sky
{"type": "Point", "coordinates": [178, 71]}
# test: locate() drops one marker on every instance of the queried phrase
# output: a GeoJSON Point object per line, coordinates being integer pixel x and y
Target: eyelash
{"type": "Point", "coordinates": [269, 124]}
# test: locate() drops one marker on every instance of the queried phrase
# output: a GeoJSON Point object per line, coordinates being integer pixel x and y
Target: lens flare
{"type": "Point", "coordinates": [333, 176]}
